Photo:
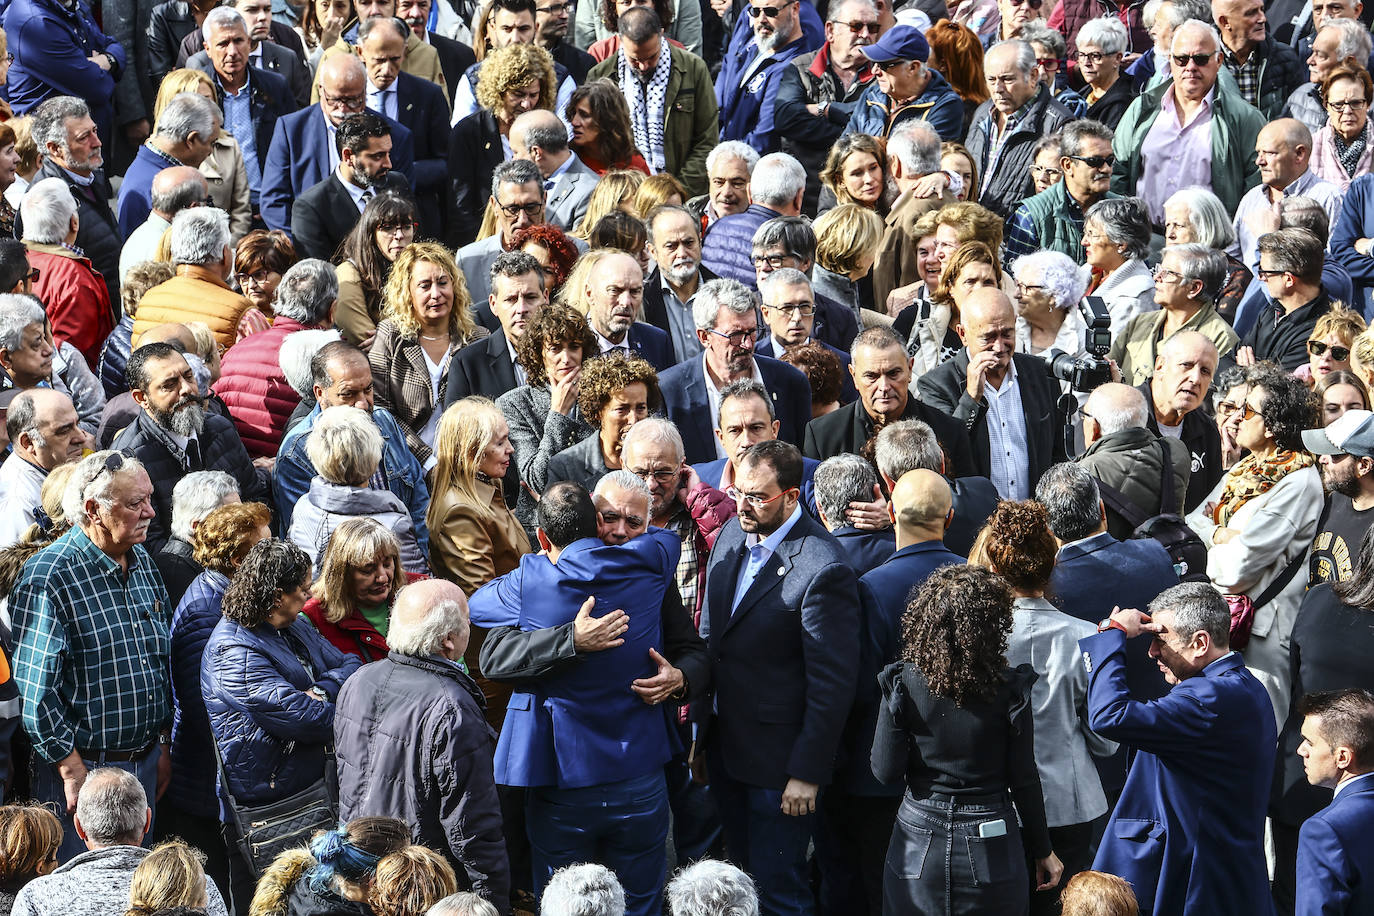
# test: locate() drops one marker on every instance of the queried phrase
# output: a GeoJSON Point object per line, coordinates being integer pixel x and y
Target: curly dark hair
{"type": "Point", "coordinates": [821, 368]}
{"type": "Point", "coordinates": [553, 323]}
{"type": "Point", "coordinates": [1020, 544]}
{"type": "Point", "coordinates": [615, 143]}
{"type": "Point", "coordinates": [562, 252]}
{"type": "Point", "coordinates": [955, 630]}
{"type": "Point", "coordinates": [1289, 407]}
{"type": "Point", "coordinates": [604, 376]}
{"type": "Point", "coordinates": [273, 568]}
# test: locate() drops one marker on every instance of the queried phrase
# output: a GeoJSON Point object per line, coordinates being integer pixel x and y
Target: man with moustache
{"type": "Point", "coordinates": [174, 435]}
{"type": "Point", "coordinates": [1346, 450]}
{"type": "Point", "coordinates": [1183, 373]}
{"type": "Point", "coordinates": [753, 67]}
{"type": "Point", "coordinates": [675, 246]}
{"type": "Point", "coordinates": [729, 169]}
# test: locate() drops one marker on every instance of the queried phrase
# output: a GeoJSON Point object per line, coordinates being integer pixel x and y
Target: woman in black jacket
{"type": "Point", "coordinates": [957, 724]}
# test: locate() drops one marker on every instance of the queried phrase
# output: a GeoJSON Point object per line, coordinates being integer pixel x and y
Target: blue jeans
{"type": "Point", "coordinates": [940, 864]}
{"type": "Point", "coordinates": [622, 826]}
{"type": "Point", "coordinates": [769, 845]}
{"type": "Point", "coordinates": [47, 787]}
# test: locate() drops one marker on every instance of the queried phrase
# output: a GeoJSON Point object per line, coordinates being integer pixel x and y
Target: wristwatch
{"type": "Point", "coordinates": [823, 109]}
{"type": "Point", "coordinates": [1110, 624]}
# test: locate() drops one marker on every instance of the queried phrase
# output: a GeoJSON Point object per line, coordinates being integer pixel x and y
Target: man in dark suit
{"type": "Point", "coordinates": [1335, 847]}
{"type": "Point", "coordinates": [613, 291]}
{"type": "Point", "coordinates": [782, 632]}
{"type": "Point", "coordinates": [857, 812]}
{"type": "Point", "coordinates": [542, 138]}
{"type": "Point", "coordinates": [840, 481]}
{"type": "Point", "coordinates": [675, 246]}
{"type": "Point", "coordinates": [881, 370]}
{"type": "Point", "coordinates": [488, 367]}
{"type": "Point", "coordinates": [454, 56]}
{"type": "Point", "coordinates": [908, 445]}
{"type": "Point", "coordinates": [727, 327]}
{"type": "Point", "coordinates": [253, 100]}
{"type": "Point", "coordinates": [264, 51]}
{"type": "Point", "coordinates": [415, 102]}
{"type": "Point", "coordinates": [551, 33]}
{"type": "Point", "coordinates": [1188, 831]}
{"type": "Point", "coordinates": [789, 241]}
{"type": "Point", "coordinates": [1007, 401]}
{"type": "Point", "coordinates": [789, 310]}
{"type": "Point", "coordinates": [323, 216]}
{"type": "Point", "coordinates": [303, 153]}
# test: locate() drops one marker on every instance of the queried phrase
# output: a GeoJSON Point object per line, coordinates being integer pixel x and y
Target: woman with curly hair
{"type": "Point", "coordinates": [1259, 520]}
{"type": "Point", "coordinates": [513, 80]}
{"type": "Point", "coordinates": [172, 875]}
{"type": "Point", "coordinates": [615, 191]}
{"type": "Point", "coordinates": [855, 172]}
{"type": "Point", "coordinates": [410, 881]}
{"type": "Point", "coordinates": [543, 415]}
{"type": "Point", "coordinates": [615, 392]}
{"type": "Point", "coordinates": [334, 875]}
{"type": "Point", "coordinates": [551, 247]}
{"type": "Point", "coordinates": [955, 722]}
{"type": "Point", "coordinates": [601, 133]}
{"type": "Point", "coordinates": [427, 316]}
{"type": "Point", "coordinates": [260, 259]}
{"type": "Point", "coordinates": [1021, 549]}
{"type": "Point", "coordinates": [388, 224]}
{"type": "Point", "coordinates": [270, 682]}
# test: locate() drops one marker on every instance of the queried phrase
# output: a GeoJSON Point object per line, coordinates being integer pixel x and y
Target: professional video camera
{"type": "Point", "coordinates": [1089, 369]}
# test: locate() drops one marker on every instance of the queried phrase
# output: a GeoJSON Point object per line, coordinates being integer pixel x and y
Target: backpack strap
{"type": "Point", "coordinates": [1118, 503]}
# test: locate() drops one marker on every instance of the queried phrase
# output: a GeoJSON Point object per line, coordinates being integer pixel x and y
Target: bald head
{"type": "Point", "coordinates": [176, 188]}
{"type": "Point", "coordinates": [168, 333]}
{"type": "Point", "coordinates": [429, 618]}
{"type": "Point", "coordinates": [1112, 408]}
{"type": "Point", "coordinates": [1283, 150]}
{"type": "Point", "coordinates": [1183, 372]}
{"type": "Point", "coordinates": [342, 76]}
{"type": "Point", "coordinates": [921, 501]}
{"type": "Point", "coordinates": [985, 305]}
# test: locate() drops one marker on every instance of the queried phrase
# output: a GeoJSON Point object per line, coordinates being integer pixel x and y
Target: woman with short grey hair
{"type": "Point", "coordinates": [345, 447]}
{"type": "Point", "coordinates": [1049, 286]}
{"type": "Point", "coordinates": [1116, 241]}
{"type": "Point", "coordinates": [1196, 215]}
{"type": "Point", "coordinates": [1102, 43]}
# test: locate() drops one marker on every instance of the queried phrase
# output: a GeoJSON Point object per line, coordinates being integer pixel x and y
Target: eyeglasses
{"type": "Point", "coordinates": [1048, 63]}
{"type": "Point", "coordinates": [871, 28]}
{"type": "Point", "coordinates": [1317, 348]}
{"type": "Point", "coordinates": [1092, 57]}
{"type": "Point", "coordinates": [1227, 408]}
{"type": "Point", "coordinates": [662, 475]}
{"type": "Point", "coordinates": [1029, 287]}
{"type": "Point", "coordinates": [345, 101]}
{"type": "Point", "coordinates": [1094, 162]}
{"type": "Point", "coordinates": [1033, 4]}
{"type": "Point", "coordinates": [1168, 276]}
{"type": "Point", "coordinates": [1045, 171]}
{"type": "Point", "coordinates": [757, 502]}
{"type": "Point", "coordinates": [772, 260]}
{"type": "Point", "coordinates": [806, 311]}
{"type": "Point", "coordinates": [1348, 105]}
{"type": "Point", "coordinates": [34, 274]}
{"type": "Point", "coordinates": [1080, 415]}
{"type": "Point", "coordinates": [532, 209]}
{"type": "Point", "coordinates": [1246, 411]}
{"type": "Point", "coordinates": [1264, 274]}
{"type": "Point", "coordinates": [1198, 60]}
{"type": "Point", "coordinates": [770, 11]}
{"type": "Point", "coordinates": [398, 228]}
{"type": "Point", "coordinates": [554, 9]}
{"type": "Point", "coordinates": [738, 339]}
{"type": "Point", "coordinates": [259, 276]}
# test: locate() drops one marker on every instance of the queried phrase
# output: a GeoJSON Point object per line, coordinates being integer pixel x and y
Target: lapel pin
{"type": "Point", "coordinates": [781, 571]}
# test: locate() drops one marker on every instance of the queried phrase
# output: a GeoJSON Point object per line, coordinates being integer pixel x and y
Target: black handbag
{"type": "Point", "coordinates": [265, 831]}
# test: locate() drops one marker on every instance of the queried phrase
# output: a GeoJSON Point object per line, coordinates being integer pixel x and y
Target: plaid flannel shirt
{"type": "Point", "coordinates": [1247, 74]}
{"type": "Point", "coordinates": [93, 649]}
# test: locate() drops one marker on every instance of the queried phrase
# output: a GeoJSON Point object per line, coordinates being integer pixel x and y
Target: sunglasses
{"type": "Point", "coordinates": [1317, 348]}
{"type": "Point", "coordinates": [1198, 60]}
{"type": "Point", "coordinates": [1094, 162]}
{"type": "Point", "coordinates": [1033, 4]}
{"type": "Point", "coordinates": [770, 11]}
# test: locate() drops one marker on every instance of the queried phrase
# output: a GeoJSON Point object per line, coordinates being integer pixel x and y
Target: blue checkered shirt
{"type": "Point", "coordinates": [238, 121]}
{"type": "Point", "coordinates": [92, 659]}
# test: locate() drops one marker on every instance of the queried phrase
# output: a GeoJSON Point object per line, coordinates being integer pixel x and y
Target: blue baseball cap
{"type": "Point", "coordinates": [902, 42]}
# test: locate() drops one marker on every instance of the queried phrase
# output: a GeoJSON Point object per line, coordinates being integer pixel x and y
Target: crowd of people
{"type": "Point", "coordinates": [715, 457]}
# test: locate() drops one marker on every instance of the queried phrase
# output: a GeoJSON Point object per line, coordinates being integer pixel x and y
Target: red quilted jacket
{"type": "Point", "coordinates": [255, 390]}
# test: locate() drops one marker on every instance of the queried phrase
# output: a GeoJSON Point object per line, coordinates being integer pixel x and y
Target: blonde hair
{"type": "Point", "coordinates": [655, 190]}
{"type": "Point", "coordinates": [467, 427]}
{"type": "Point", "coordinates": [1345, 323]}
{"type": "Point", "coordinates": [207, 348]}
{"type": "Point", "coordinates": [513, 67]}
{"type": "Point", "coordinates": [221, 540]}
{"type": "Point", "coordinates": [29, 837]}
{"type": "Point", "coordinates": [613, 187]}
{"type": "Point", "coordinates": [1094, 893]}
{"type": "Point", "coordinates": [24, 144]}
{"type": "Point", "coordinates": [142, 277]}
{"type": "Point", "coordinates": [396, 300]}
{"type": "Point", "coordinates": [573, 292]}
{"type": "Point", "coordinates": [344, 445]}
{"type": "Point", "coordinates": [184, 80]}
{"type": "Point", "coordinates": [845, 235]}
{"type": "Point", "coordinates": [355, 542]}
{"type": "Point", "coordinates": [1362, 357]}
{"type": "Point", "coordinates": [173, 874]}
{"type": "Point", "coordinates": [410, 881]}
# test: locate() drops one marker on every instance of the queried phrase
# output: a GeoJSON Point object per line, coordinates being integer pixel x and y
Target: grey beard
{"type": "Point", "coordinates": [767, 43]}
{"type": "Point", "coordinates": [185, 419]}
{"type": "Point", "coordinates": [680, 275]}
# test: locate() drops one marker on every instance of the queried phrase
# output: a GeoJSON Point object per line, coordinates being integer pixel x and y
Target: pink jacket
{"type": "Point", "coordinates": [255, 390]}
{"type": "Point", "coordinates": [1327, 166]}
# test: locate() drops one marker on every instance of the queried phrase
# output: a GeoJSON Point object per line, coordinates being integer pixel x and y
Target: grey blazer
{"type": "Point", "coordinates": [537, 433]}
{"type": "Point", "coordinates": [582, 463]}
{"type": "Point", "coordinates": [1047, 639]}
{"type": "Point", "coordinates": [567, 201]}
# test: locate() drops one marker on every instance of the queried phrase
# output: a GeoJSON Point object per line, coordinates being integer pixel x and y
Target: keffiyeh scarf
{"type": "Point", "coordinates": [647, 105]}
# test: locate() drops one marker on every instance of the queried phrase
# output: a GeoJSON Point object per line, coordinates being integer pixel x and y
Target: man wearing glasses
{"type": "Point", "coordinates": [817, 94]}
{"type": "Point", "coordinates": [304, 151]}
{"type": "Point", "coordinates": [789, 311]}
{"type": "Point", "coordinates": [905, 88]}
{"type": "Point", "coordinates": [1053, 219]}
{"type": "Point", "coordinates": [1290, 267]}
{"type": "Point", "coordinates": [727, 326]}
{"type": "Point", "coordinates": [754, 64]}
{"type": "Point", "coordinates": [1283, 151]}
{"type": "Point", "coordinates": [1188, 132]}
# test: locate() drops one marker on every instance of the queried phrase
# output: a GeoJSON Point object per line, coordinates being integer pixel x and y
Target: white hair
{"type": "Point", "coordinates": [712, 888]}
{"type": "Point", "coordinates": [344, 445]}
{"type": "Point", "coordinates": [1355, 40]}
{"type": "Point", "coordinates": [624, 480]}
{"type": "Point", "coordinates": [200, 235]}
{"type": "Point", "coordinates": [90, 480]}
{"type": "Point", "coordinates": [47, 211]}
{"type": "Point", "coordinates": [298, 352]}
{"type": "Point", "coordinates": [1118, 407]}
{"type": "Point", "coordinates": [463, 903]}
{"type": "Point", "coordinates": [783, 276]}
{"type": "Point", "coordinates": [583, 890]}
{"type": "Point", "coordinates": [656, 429]}
{"type": "Point", "coordinates": [718, 294]}
{"type": "Point", "coordinates": [776, 180]}
{"type": "Point", "coordinates": [732, 149]}
{"type": "Point", "coordinates": [1197, 24]}
{"type": "Point", "coordinates": [197, 495]}
{"type": "Point", "coordinates": [307, 291]}
{"type": "Point", "coordinates": [222, 17]}
{"type": "Point", "coordinates": [188, 113]}
{"type": "Point", "coordinates": [916, 145]}
{"type": "Point", "coordinates": [1106, 32]}
{"type": "Point", "coordinates": [425, 636]}
{"type": "Point", "coordinates": [112, 807]}
{"type": "Point", "coordinates": [1061, 276]}
{"type": "Point", "coordinates": [17, 312]}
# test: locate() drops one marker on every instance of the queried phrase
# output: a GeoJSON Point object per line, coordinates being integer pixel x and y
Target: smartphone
{"type": "Point", "coordinates": [989, 829]}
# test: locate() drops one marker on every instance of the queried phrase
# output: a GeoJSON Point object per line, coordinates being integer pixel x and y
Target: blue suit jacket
{"type": "Point", "coordinates": [867, 550]}
{"type": "Point", "coordinates": [711, 472]}
{"type": "Point", "coordinates": [883, 595]}
{"type": "Point", "coordinates": [652, 344]}
{"type": "Point", "coordinates": [686, 403]}
{"type": "Point", "coordinates": [848, 393]}
{"type": "Point", "coordinates": [1336, 855]}
{"type": "Point", "coordinates": [298, 159]}
{"type": "Point", "coordinates": [1188, 830]}
{"type": "Point", "coordinates": [582, 725]}
{"type": "Point", "coordinates": [783, 661]}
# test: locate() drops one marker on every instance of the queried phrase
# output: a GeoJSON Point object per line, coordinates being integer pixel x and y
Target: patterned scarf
{"type": "Point", "coordinates": [1253, 476]}
{"type": "Point", "coordinates": [1350, 154]}
{"type": "Point", "coordinates": [647, 103]}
